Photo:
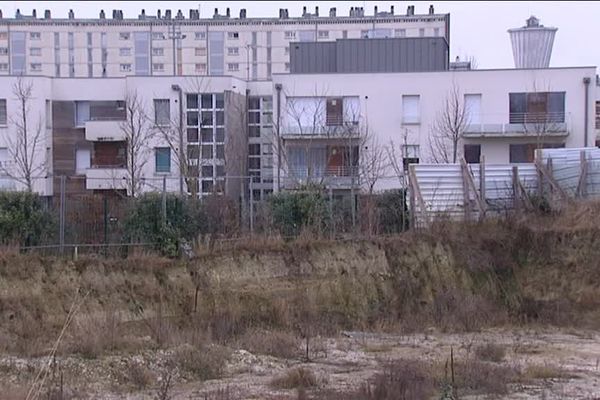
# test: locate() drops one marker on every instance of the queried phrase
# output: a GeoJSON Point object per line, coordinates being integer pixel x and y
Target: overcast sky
{"type": "Point", "coordinates": [477, 28]}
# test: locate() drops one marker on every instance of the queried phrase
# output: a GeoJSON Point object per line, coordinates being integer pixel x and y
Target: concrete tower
{"type": "Point", "coordinates": [532, 44]}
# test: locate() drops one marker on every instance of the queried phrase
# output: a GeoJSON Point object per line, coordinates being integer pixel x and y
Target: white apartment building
{"type": "Point", "coordinates": [170, 44]}
{"type": "Point", "coordinates": [508, 113]}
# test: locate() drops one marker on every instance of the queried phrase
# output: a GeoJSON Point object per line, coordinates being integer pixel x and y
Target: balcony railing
{"type": "Point", "coordinates": [519, 125]}
{"type": "Point", "coordinates": [106, 178]}
{"type": "Point", "coordinates": [339, 177]}
{"type": "Point", "coordinates": [346, 129]}
{"type": "Point", "coordinates": [104, 130]}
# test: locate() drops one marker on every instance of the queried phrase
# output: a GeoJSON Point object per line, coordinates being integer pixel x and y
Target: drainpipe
{"type": "Point", "coordinates": [278, 87]}
{"type": "Point", "coordinates": [586, 82]}
{"type": "Point", "coordinates": [177, 88]}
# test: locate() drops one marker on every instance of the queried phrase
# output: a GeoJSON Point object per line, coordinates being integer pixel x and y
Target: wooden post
{"type": "Point", "coordinates": [482, 195]}
{"type": "Point", "coordinates": [582, 184]}
{"type": "Point", "coordinates": [540, 181]}
{"type": "Point", "coordinates": [465, 188]}
{"type": "Point", "coordinates": [515, 185]}
{"type": "Point", "coordinates": [412, 201]}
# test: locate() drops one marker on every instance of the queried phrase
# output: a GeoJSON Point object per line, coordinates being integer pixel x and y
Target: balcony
{"type": "Point", "coordinates": [106, 178]}
{"type": "Point", "coordinates": [339, 131]}
{"type": "Point", "coordinates": [104, 130]}
{"type": "Point", "coordinates": [519, 125]}
{"type": "Point", "coordinates": [338, 177]}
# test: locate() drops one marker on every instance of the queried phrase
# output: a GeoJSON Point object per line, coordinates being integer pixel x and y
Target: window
{"type": "Point", "coordinates": [35, 51]}
{"type": "Point", "coordinates": [287, 50]}
{"type": "Point", "coordinates": [233, 67]}
{"type": "Point", "coordinates": [472, 153]}
{"type": "Point", "coordinates": [83, 160]}
{"type": "Point", "coordinates": [334, 112]}
{"type": "Point", "coordinates": [3, 113]}
{"type": "Point", "coordinates": [199, 35]}
{"type": "Point", "coordinates": [207, 152]}
{"type": "Point", "coordinates": [158, 35]}
{"type": "Point", "coordinates": [3, 66]}
{"type": "Point", "coordinates": [125, 51]}
{"type": "Point", "coordinates": [3, 51]}
{"type": "Point", "coordinates": [216, 59]}
{"type": "Point", "coordinates": [287, 66]}
{"type": "Point", "coordinates": [410, 155]}
{"type": "Point", "coordinates": [200, 68]}
{"type": "Point", "coordinates": [536, 107]}
{"type": "Point", "coordinates": [473, 109]}
{"type": "Point", "coordinates": [207, 171]}
{"type": "Point", "coordinates": [35, 35]}
{"type": "Point", "coordinates": [124, 35]}
{"type": "Point", "coordinates": [3, 35]}
{"type": "Point", "coordinates": [233, 35]}
{"type": "Point", "coordinates": [307, 36]}
{"type": "Point", "coordinates": [323, 34]}
{"type": "Point", "coordinates": [4, 158]}
{"type": "Point", "coordinates": [158, 51]}
{"type": "Point", "coordinates": [36, 67]}
{"type": "Point", "coordinates": [597, 114]}
{"type": "Point", "coordinates": [254, 149]}
{"type": "Point", "coordinates": [410, 109]}
{"type": "Point", "coordinates": [158, 67]}
{"type": "Point", "coordinates": [436, 31]}
{"type": "Point", "coordinates": [290, 34]}
{"type": "Point", "coordinates": [162, 112]}
{"type": "Point", "coordinates": [125, 67]}
{"type": "Point", "coordinates": [220, 151]}
{"type": "Point", "coordinates": [376, 33]}
{"type": "Point", "coordinates": [141, 48]}
{"type": "Point", "coordinates": [17, 56]}
{"type": "Point", "coordinates": [421, 32]}
{"type": "Point", "coordinates": [233, 51]}
{"type": "Point", "coordinates": [400, 32]}
{"type": "Point", "coordinates": [200, 51]}
{"type": "Point", "coordinates": [162, 160]}
{"type": "Point", "coordinates": [82, 112]}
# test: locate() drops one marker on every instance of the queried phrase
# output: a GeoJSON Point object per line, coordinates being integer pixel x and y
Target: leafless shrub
{"type": "Point", "coordinates": [166, 385]}
{"type": "Point", "coordinates": [138, 375]}
{"type": "Point", "coordinates": [401, 379]}
{"type": "Point", "coordinates": [490, 352]}
{"type": "Point", "coordinates": [273, 343]}
{"type": "Point", "coordinates": [295, 378]}
{"type": "Point", "coordinates": [477, 377]}
{"type": "Point", "coordinates": [207, 362]}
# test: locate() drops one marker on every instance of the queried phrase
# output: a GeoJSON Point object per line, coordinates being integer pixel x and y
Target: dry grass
{"type": "Point", "coordinates": [545, 371]}
{"type": "Point", "coordinates": [139, 376]}
{"type": "Point", "coordinates": [272, 343]}
{"type": "Point", "coordinates": [300, 377]}
{"type": "Point", "coordinates": [490, 352]}
{"type": "Point", "coordinates": [207, 362]}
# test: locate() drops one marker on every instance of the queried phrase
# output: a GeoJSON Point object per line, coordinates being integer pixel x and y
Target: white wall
{"type": "Point", "coordinates": [381, 100]}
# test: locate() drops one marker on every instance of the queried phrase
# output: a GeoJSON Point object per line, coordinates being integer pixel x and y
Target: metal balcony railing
{"type": "Point", "coordinates": [345, 129]}
{"type": "Point", "coordinates": [518, 125]}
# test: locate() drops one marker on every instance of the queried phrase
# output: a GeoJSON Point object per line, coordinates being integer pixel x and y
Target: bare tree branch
{"type": "Point", "coordinates": [448, 128]}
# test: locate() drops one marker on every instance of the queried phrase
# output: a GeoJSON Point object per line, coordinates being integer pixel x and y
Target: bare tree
{"type": "Point", "coordinates": [449, 127]}
{"type": "Point", "coordinates": [540, 124]}
{"type": "Point", "coordinates": [137, 134]}
{"type": "Point", "coordinates": [27, 142]}
{"type": "Point", "coordinates": [372, 166]}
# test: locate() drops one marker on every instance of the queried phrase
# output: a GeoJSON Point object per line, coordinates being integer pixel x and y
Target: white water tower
{"type": "Point", "coordinates": [532, 44]}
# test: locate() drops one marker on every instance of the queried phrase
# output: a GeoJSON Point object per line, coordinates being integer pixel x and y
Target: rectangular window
{"type": "Point", "coordinates": [3, 35]}
{"type": "Point", "coordinates": [378, 33]}
{"type": "Point", "coordinates": [162, 159]}
{"type": "Point", "coordinates": [335, 112]}
{"type": "Point", "coordinates": [125, 51]}
{"type": "Point", "coordinates": [233, 35]}
{"type": "Point", "coordinates": [521, 153]}
{"type": "Point", "coordinates": [410, 109]}
{"type": "Point", "coordinates": [3, 113]}
{"type": "Point", "coordinates": [3, 66]}
{"type": "Point", "coordinates": [216, 59]}
{"type": "Point", "coordinates": [35, 35]}
{"type": "Point", "coordinates": [200, 51]}
{"type": "Point", "coordinates": [254, 149]}
{"type": "Point", "coordinates": [17, 55]}
{"type": "Point", "coordinates": [141, 45]}
{"type": "Point", "coordinates": [290, 34]}
{"type": "Point", "coordinates": [200, 68]}
{"type": "Point", "coordinates": [436, 31]}
{"type": "Point", "coordinates": [597, 114]}
{"type": "Point", "coordinates": [287, 66]}
{"type": "Point", "coordinates": [536, 107]}
{"type": "Point", "coordinates": [158, 35]}
{"type": "Point", "coordinates": [421, 32]}
{"type": "Point", "coordinates": [158, 51]}
{"type": "Point", "coordinates": [4, 158]}
{"type": "Point", "coordinates": [410, 155]}
{"type": "Point", "coordinates": [233, 67]}
{"type": "Point", "coordinates": [307, 36]}
{"type": "Point", "coordinates": [472, 153]}
{"type": "Point", "coordinates": [35, 51]}
{"type": "Point", "coordinates": [83, 160]}
{"type": "Point", "coordinates": [162, 112]}
{"type": "Point", "coordinates": [3, 51]}
{"type": "Point", "coordinates": [125, 67]}
{"type": "Point", "coordinates": [36, 67]}
{"type": "Point", "coordinates": [158, 67]}
{"type": "Point", "coordinates": [207, 152]}
{"type": "Point", "coordinates": [287, 50]}
{"type": "Point", "coordinates": [200, 35]}
{"type": "Point", "coordinates": [82, 113]}
{"type": "Point", "coordinates": [323, 34]}
{"type": "Point", "coordinates": [124, 35]}
{"type": "Point", "coordinates": [473, 109]}
{"type": "Point", "coordinates": [400, 32]}
{"type": "Point", "coordinates": [233, 51]}
{"type": "Point", "coordinates": [207, 171]}
{"type": "Point", "coordinates": [89, 39]}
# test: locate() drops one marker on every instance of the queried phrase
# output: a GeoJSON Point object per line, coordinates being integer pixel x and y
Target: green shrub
{"type": "Point", "coordinates": [393, 211]}
{"type": "Point", "coordinates": [294, 211]}
{"type": "Point", "coordinates": [24, 219]}
{"type": "Point", "coordinates": [185, 220]}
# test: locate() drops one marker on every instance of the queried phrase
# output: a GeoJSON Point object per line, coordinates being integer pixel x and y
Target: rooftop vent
{"type": "Point", "coordinates": [18, 14]}
{"type": "Point", "coordinates": [34, 13]}
{"type": "Point", "coordinates": [71, 14]}
{"type": "Point", "coordinates": [283, 13]}
{"type": "Point", "coordinates": [47, 14]}
{"type": "Point", "coordinates": [143, 14]}
{"type": "Point", "coordinates": [158, 14]}
{"type": "Point", "coordinates": [242, 13]}
{"type": "Point", "coordinates": [410, 10]}
{"type": "Point", "coordinates": [102, 14]}
{"type": "Point", "coordinates": [179, 15]}
{"type": "Point", "coordinates": [431, 12]}
{"type": "Point", "coordinates": [194, 14]}
{"type": "Point", "coordinates": [332, 12]}
{"type": "Point", "coordinates": [167, 14]}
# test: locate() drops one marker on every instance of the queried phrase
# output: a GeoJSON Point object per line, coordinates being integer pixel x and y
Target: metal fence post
{"type": "Point", "coordinates": [62, 215]}
{"type": "Point", "coordinates": [164, 201]}
{"type": "Point", "coordinates": [251, 207]}
{"type": "Point", "coordinates": [331, 229]}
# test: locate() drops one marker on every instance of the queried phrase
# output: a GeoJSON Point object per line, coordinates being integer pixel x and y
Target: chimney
{"type": "Point", "coordinates": [287, 13]}
{"type": "Point", "coordinates": [362, 11]}
{"type": "Point", "coordinates": [102, 14]}
{"type": "Point", "coordinates": [34, 13]}
{"type": "Point", "coordinates": [242, 13]}
{"type": "Point", "coordinates": [332, 12]}
{"type": "Point", "coordinates": [71, 14]}
{"type": "Point", "coordinates": [304, 11]}
{"type": "Point", "coordinates": [167, 14]}
{"type": "Point", "coordinates": [431, 9]}
{"type": "Point", "coordinates": [216, 14]}
{"type": "Point", "coordinates": [18, 13]}
{"type": "Point", "coordinates": [317, 11]}
{"type": "Point", "coordinates": [47, 14]}
{"type": "Point", "coordinates": [412, 10]}
{"type": "Point", "coordinates": [392, 10]}
{"type": "Point", "coordinates": [143, 14]}
{"type": "Point", "coordinates": [0, 14]}
{"type": "Point", "coordinates": [158, 13]}
{"type": "Point", "coordinates": [375, 11]}
{"type": "Point", "coordinates": [179, 15]}
{"type": "Point", "coordinates": [227, 12]}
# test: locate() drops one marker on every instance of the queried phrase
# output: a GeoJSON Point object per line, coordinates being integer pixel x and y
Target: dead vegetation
{"type": "Point", "coordinates": [300, 377]}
